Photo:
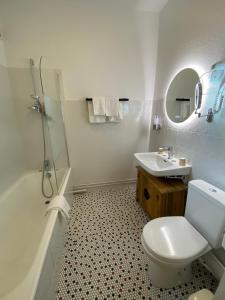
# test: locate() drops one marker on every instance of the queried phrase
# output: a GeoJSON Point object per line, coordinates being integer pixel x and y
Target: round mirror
{"type": "Point", "coordinates": [180, 98]}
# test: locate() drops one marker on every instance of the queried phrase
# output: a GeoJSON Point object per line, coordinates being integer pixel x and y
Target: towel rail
{"type": "Point", "coordinates": [120, 99]}
{"type": "Point", "coordinates": [182, 99]}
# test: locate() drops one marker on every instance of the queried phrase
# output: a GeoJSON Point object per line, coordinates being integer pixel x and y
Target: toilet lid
{"type": "Point", "coordinates": [173, 238]}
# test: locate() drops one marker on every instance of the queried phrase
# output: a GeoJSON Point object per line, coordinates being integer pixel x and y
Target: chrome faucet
{"type": "Point", "coordinates": [37, 106]}
{"type": "Point", "coordinates": [169, 149]}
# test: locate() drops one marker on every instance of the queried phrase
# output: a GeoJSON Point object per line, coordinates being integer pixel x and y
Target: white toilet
{"type": "Point", "coordinates": [172, 243]}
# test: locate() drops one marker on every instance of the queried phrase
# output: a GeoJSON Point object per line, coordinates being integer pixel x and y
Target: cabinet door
{"type": "Point", "coordinates": [151, 199]}
{"type": "Point", "coordinates": [145, 193]}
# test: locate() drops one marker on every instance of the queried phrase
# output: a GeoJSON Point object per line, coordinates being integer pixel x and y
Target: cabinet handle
{"type": "Point", "coordinates": [146, 194]}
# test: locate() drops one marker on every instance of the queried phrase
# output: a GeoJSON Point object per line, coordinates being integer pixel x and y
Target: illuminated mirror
{"type": "Point", "coordinates": [180, 98]}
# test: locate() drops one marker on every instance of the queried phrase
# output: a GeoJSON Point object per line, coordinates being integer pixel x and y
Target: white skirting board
{"type": "Point", "coordinates": [211, 262]}
{"type": "Point", "coordinates": [100, 184]}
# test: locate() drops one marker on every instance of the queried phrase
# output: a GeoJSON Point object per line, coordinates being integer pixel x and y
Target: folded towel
{"type": "Point", "coordinates": [121, 111]}
{"type": "Point", "coordinates": [119, 117]}
{"type": "Point", "coordinates": [112, 108]}
{"type": "Point", "coordinates": [92, 117]}
{"type": "Point", "coordinates": [99, 106]}
{"type": "Point", "coordinates": [59, 203]}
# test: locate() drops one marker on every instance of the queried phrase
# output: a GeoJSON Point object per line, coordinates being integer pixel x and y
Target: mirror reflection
{"type": "Point", "coordinates": [180, 98]}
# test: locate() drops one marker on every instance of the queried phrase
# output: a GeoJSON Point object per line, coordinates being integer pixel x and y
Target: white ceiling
{"type": "Point", "coordinates": [151, 5]}
{"type": "Point", "coordinates": [143, 5]}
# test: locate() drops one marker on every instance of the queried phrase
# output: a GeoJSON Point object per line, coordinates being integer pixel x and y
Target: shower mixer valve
{"type": "Point", "coordinates": [47, 165]}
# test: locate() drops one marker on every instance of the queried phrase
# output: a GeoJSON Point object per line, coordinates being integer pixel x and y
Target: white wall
{"type": "Point", "coordinates": [192, 33]}
{"type": "Point", "coordinates": [89, 40]}
{"type": "Point", "coordinates": [21, 147]}
{"type": "Point", "coordinates": [2, 53]}
{"type": "Point", "coordinates": [12, 161]}
{"type": "Point", "coordinates": [103, 48]}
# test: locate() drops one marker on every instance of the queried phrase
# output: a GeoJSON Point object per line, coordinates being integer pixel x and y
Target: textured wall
{"type": "Point", "coordinates": [192, 33]}
{"type": "Point", "coordinates": [198, 43]}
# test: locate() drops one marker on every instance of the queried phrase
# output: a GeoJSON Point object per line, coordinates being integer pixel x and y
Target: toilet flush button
{"type": "Point", "coordinates": [212, 190]}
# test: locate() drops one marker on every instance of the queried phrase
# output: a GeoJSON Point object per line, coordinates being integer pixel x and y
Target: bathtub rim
{"type": "Point", "coordinates": [48, 232]}
{"type": "Point", "coordinates": [28, 286]}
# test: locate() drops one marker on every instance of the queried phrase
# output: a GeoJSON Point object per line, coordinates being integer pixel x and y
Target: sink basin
{"type": "Point", "coordinates": [159, 165]}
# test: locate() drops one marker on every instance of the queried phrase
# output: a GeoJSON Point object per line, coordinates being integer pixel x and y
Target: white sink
{"type": "Point", "coordinates": [159, 165]}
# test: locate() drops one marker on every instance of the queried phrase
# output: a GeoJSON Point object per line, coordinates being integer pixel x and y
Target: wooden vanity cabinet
{"type": "Point", "coordinates": [160, 196]}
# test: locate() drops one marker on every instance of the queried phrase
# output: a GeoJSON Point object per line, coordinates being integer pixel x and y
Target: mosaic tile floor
{"type": "Point", "coordinates": [103, 256]}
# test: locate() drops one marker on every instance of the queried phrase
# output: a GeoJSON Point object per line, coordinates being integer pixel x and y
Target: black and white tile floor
{"type": "Point", "coordinates": [103, 256]}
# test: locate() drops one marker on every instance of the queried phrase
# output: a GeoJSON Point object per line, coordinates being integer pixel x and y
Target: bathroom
{"type": "Point", "coordinates": [57, 58]}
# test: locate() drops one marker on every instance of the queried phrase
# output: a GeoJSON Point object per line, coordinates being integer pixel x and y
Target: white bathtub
{"type": "Point", "coordinates": [30, 242]}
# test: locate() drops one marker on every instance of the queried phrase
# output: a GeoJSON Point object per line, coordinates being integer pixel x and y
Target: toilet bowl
{"type": "Point", "coordinates": [173, 243]}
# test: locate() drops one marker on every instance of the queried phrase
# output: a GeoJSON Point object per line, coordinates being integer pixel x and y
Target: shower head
{"type": "Point", "coordinates": [32, 64]}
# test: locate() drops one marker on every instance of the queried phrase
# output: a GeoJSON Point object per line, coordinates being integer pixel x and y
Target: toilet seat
{"type": "Point", "coordinates": [173, 240]}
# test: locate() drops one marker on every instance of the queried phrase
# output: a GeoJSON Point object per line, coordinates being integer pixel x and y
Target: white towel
{"type": "Point", "coordinates": [92, 117]}
{"type": "Point", "coordinates": [121, 110]}
{"type": "Point", "coordinates": [59, 203]}
{"type": "Point", "coordinates": [99, 106]}
{"type": "Point", "coordinates": [112, 107]}
{"type": "Point", "coordinates": [119, 117]}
